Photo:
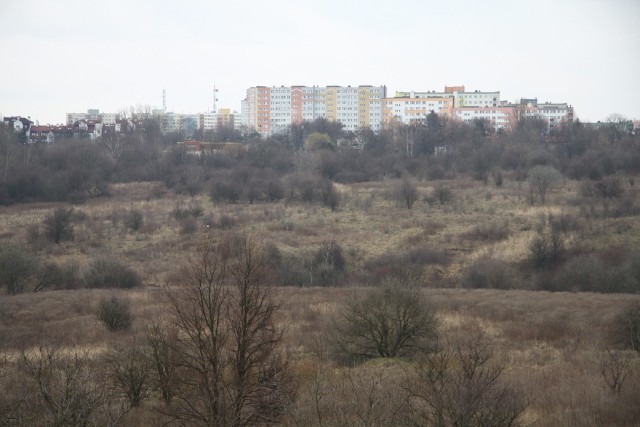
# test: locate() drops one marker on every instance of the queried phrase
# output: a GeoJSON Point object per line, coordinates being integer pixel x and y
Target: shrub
{"type": "Point", "coordinates": [188, 225]}
{"type": "Point", "coordinates": [328, 264]}
{"type": "Point", "coordinates": [226, 191]}
{"type": "Point", "coordinates": [627, 327]}
{"type": "Point", "coordinates": [114, 313]}
{"type": "Point", "coordinates": [405, 267]}
{"type": "Point", "coordinates": [53, 276]}
{"type": "Point", "coordinates": [275, 191]}
{"type": "Point", "coordinates": [490, 273]}
{"type": "Point", "coordinates": [583, 273]}
{"type": "Point", "coordinates": [58, 225]}
{"type": "Point", "coordinates": [129, 372]}
{"type": "Point", "coordinates": [442, 194]}
{"type": "Point", "coordinates": [106, 272]}
{"type": "Point", "coordinates": [16, 268]}
{"type": "Point", "coordinates": [545, 250]}
{"type": "Point", "coordinates": [489, 232]}
{"type": "Point", "coordinates": [462, 386]}
{"type": "Point", "coordinates": [543, 179]}
{"type": "Point", "coordinates": [329, 194]}
{"type": "Point", "coordinates": [407, 192]}
{"type": "Point", "coordinates": [133, 220]}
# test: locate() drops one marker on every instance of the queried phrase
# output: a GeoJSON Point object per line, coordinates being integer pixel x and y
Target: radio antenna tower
{"type": "Point", "coordinates": [215, 98]}
{"type": "Point", "coordinates": [164, 100]}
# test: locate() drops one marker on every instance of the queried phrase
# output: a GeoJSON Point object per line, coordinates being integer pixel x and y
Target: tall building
{"type": "Point", "coordinates": [94, 115]}
{"type": "Point", "coordinates": [224, 117]}
{"type": "Point", "coordinates": [501, 118]}
{"type": "Point", "coordinates": [271, 110]}
{"type": "Point", "coordinates": [411, 110]}
{"type": "Point", "coordinates": [461, 98]}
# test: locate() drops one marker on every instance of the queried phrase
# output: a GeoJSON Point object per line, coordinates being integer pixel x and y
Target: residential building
{"type": "Point", "coordinates": [224, 117]}
{"type": "Point", "coordinates": [93, 114]}
{"type": "Point", "coordinates": [555, 114]}
{"type": "Point", "coordinates": [20, 125]}
{"type": "Point", "coordinates": [501, 118]}
{"type": "Point", "coordinates": [412, 110]}
{"type": "Point", "coordinates": [460, 97]}
{"type": "Point", "coordinates": [270, 110]}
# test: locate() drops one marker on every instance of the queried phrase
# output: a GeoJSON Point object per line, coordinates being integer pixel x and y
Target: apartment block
{"type": "Point", "coordinates": [460, 97]}
{"type": "Point", "coordinates": [224, 117]}
{"type": "Point", "coordinates": [501, 118]}
{"type": "Point", "coordinates": [555, 114]}
{"type": "Point", "coordinates": [414, 109]}
{"type": "Point", "coordinates": [271, 110]}
{"type": "Point", "coordinates": [92, 114]}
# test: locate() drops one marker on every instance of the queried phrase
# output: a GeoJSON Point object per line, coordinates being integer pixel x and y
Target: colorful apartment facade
{"type": "Point", "coordinates": [270, 110]}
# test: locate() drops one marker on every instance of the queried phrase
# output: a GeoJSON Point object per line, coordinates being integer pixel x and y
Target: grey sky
{"type": "Point", "coordinates": [67, 56]}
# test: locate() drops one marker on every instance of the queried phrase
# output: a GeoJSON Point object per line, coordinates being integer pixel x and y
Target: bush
{"type": "Point", "coordinates": [58, 226]}
{"type": "Point", "coordinates": [16, 268]}
{"type": "Point", "coordinates": [114, 313]}
{"type": "Point", "coordinates": [489, 232]}
{"type": "Point", "coordinates": [442, 194]}
{"type": "Point", "coordinates": [627, 327]}
{"type": "Point", "coordinates": [407, 192]}
{"type": "Point", "coordinates": [393, 321]}
{"type": "Point", "coordinates": [130, 372]}
{"type": "Point", "coordinates": [545, 250]}
{"type": "Point", "coordinates": [405, 267]}
{"type": "Point", "coordinates": [53, 276]}
{"type": "Point", "coordinates": [188, 225]}
{"type": "Point", "coordinates": [489, 273]}
{"type": "Point", "coordinates": [543, 179]}
{"type": "Point", "coordinates": [462, 386]}
{"type": "Point", "coordinates": [107, 272]}
{"type": "Point", "coordinates": [133, 220]}
{"type": "Point", "coordinates": [328, 264]}
{"type": "Point", "coordinates": [226, 191]}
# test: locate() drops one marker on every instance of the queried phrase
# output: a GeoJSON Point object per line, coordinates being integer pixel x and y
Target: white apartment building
{"type": "Point", "coordinates": [414, 110]}
{"type": "Point", "coordinates": [104, 118]}
{"type": "Point", "coordinates": [553, 113]}
{"type": "Point", "coordinates": [271, 110]}
{"type": "Point", "coordinates": [461, 98]}
{"type": "Point", "coordinates": [502, 118]}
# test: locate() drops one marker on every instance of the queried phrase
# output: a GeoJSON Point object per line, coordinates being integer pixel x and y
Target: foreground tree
{"type": "Point", "coordinates": [229, 367]}
{"type": "Point", "coordinates": [460, 385]}
{"type": "Point", "coordinates": [64, 390]}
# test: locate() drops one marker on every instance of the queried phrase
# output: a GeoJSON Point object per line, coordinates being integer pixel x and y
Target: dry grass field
{"type": "Point", "coordinates": [552, 345]}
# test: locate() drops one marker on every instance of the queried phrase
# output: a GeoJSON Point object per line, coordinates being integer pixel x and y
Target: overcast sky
{"type": "Point", "coordinates": [67, 56]}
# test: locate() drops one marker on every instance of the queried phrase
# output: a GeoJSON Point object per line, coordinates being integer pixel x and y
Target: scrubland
{"type": "Point", "coordinates": [551, 345]}
{"type": "Point", "coordinates": [519, 252]}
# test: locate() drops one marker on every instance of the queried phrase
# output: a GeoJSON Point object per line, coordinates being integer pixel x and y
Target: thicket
{"type": "Point", "coordinates": [436, 149]}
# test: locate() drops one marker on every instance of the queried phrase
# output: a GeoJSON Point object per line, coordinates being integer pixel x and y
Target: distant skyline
{"type": "Point", "coordinates": [69, 55]}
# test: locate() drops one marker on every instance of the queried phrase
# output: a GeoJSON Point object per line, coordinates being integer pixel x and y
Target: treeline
{"type": "Point", "coordinates": [293, 163]}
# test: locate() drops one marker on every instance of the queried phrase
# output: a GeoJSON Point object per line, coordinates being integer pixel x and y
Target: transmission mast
{"type": "Point", "coordinates": [215, 98]}
{"type": "Point", "coordinates": [164, 100]}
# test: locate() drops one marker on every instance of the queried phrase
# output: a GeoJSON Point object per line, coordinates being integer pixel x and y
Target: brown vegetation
{"type": "Point", "coordinates": [335, 223]}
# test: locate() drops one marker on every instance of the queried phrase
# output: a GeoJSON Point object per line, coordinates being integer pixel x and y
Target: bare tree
{"type": "Point", "coordinates": [407, 192]}
{"type": "Point", "coordinates": [65, 389]}
{"type": "Point", "coordinates": [543, 179]}
{"type": "Point", "coordinates": [129, 372]}
{"type": "Point", "coordinates": [389, 322]}
{"type": "Point", "coordinates": [614, 367]}
{"type": "Point", "coordinates": [461, 386]}
{"type": "Point", "coordinates": [163, 359]}
{"type": "Point", "coordinates": [229, 366]}
{"type": "Point", "coordinates": [443, 194]}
